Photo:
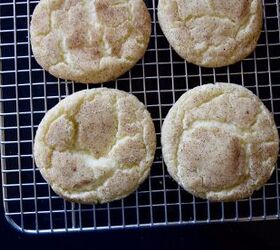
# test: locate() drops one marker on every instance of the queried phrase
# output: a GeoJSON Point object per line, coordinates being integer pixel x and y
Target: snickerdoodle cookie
{"type": "Point", "coordinates": [95, 145]}
{"type": "Point", "coordinates": [89, 41]}
{"type": "Point", "coordinates": [211, 33]}
{"type": "Point", "coordinates": [220, 142]}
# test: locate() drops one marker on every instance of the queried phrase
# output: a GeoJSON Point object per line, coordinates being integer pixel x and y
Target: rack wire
{"type": "Point", "coordinates": [158, 80]}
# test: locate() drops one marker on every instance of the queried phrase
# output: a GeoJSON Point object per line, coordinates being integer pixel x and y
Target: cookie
{"type": "Point", "coordinates": [89, 41]}
{"type": "Point", "coordinates": [95, 146]}
{"type": "Point", "coordinates": [220, 142]}
{"type": "Point", "coordinates": [211, 33]}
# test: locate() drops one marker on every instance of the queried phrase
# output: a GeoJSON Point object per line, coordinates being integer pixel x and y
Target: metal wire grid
{"type": "Point", "coordinates": [158, 80]}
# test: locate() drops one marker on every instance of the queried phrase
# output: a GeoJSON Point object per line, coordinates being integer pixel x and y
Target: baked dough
{"type": "Point", "coordinates": [220, 142]}
{"type": "Point", "coordinates": [95, 146]}
{"type": "Point", "coordinates": [89, 41]}
{"type": "Point", "coordinates": [211, 33]}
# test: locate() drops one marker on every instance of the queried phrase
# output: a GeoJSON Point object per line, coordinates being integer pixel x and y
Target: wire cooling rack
{"type": "Point", "coordinates": [158, 80]}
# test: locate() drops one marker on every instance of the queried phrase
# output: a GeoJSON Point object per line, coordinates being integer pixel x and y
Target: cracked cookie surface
{"type": "Point", "coordinates": [220, 142]}
{"type": "Point", "coordinates": [89, 41]}
{"type": "Point", "coordinates": [95, 146]}
{"type": "Point", "coordinates": [211, 33]}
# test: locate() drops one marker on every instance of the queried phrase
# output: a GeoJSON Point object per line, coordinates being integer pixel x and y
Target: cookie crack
{"type": "Point", "coordinates": [215, 123]}
{"type": "Point", "coordinates": [207, 100]}
{"type": "Point", "coordinates": [191, 17]}
{"type": "Point", "coordinates": [72, 119]}
{"type": "Point", "coordinates": [260, 112]}
{"type": "Point", "coordinates": [120, 3]}
{"type": "Point", "coordinates": [145, 143]}
{"type": "Point", "coordinates": [95, 185]}
{"type": "Point", "coordinates": [121, 140]}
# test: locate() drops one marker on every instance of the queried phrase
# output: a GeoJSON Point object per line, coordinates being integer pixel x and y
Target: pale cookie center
{"type": "Point", "coordinates": [216, 158]}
